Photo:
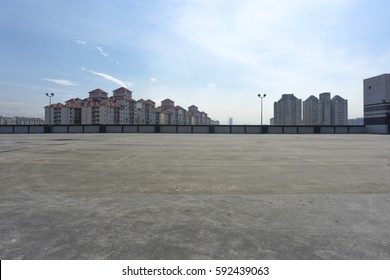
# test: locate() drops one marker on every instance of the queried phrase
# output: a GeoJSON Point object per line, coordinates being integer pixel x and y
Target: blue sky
{"type": "Point", "coordinates": [217, 54]}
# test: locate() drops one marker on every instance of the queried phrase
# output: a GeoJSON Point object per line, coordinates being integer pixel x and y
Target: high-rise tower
{"type": "Point", "coordinates": [287, 111]}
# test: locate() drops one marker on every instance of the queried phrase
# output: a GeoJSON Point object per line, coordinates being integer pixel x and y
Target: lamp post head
{"type": "Point", "coordinates": [50, 94]}
{"type": "Point", "coordinates": [261, 95]}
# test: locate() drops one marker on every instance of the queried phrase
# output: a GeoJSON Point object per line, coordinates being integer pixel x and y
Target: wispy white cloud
{"type": "Point", "coordinates": [81, 42]}
{"type": "Point", "coordinates": [101, 51]}
{"type": "Point", "coordinates": [61, 82]}
{"type": "Point", "coordinates": [211, 85]}
{"type": "Point", "coordinates": [110, 78]}
{"type": "Point", "coordinates": [91, 46]}
{"type": "Point", "coordinates": [153, 80]}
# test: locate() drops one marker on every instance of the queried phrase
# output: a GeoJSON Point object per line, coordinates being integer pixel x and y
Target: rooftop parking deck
{"type": "Point", "coordinates": [186, 196]}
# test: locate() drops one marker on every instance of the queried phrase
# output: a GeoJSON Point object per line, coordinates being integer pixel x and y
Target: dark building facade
{"type": "Point", "coordinates": [377, 104]}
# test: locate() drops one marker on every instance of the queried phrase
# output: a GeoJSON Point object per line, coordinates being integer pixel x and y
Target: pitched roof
{"type": "Point", "coordinates": [180, 108]}
{"type": "Point", "coordinates": [168, 100]}
{"type": "Point", "coordinates": [98, 90]}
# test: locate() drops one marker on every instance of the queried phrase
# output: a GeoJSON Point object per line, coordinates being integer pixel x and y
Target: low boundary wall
{"type": "Point", "coordinates": [182, 129]}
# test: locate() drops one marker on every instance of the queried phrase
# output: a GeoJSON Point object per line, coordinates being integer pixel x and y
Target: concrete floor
{"type": "Point", "coordinates": [159, 196]}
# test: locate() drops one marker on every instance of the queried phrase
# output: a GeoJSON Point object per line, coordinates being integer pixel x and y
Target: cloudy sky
{"type": "Point", "coordinates": [216, 54]}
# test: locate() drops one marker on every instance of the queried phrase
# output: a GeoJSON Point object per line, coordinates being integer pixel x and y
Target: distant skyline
{"type": "Point", "coordinates": [218, 55]}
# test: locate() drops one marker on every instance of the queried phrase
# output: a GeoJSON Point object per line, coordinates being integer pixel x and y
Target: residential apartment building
{"type": "Point", "coordinates": [5, 120]}
{"type": "Point", "coordinates": [181, 115]}
{"type": "Point", "coordinates": [287, 111]}
{"type": "Point", "coordinates": [204, 119]}
{"type": "Point", "coordinates": [53, 114]}
{"type": "Point", "coordinates": [339, 111]}
{"type": "Point", "coordinates": [311, 112]}
{"type": "Point", "coordinates": [325, 111]}
{"type": "Point", "coordinates": [169, 107]}
{"type": "Point", "coordinates": [71, 112]}
{"type": "Point", "coordinates": [90, 112]}
{"type": "Point", "coordinates": [168, 113]}
{"type": "Point", "coordinates": [126, 105]}
{"type": "Point", "coordinates": [20, 121]}
{"type": "Point", "coordinates": [141, 112]}
{"type": "Point", "coordinates": [158, 116]}
{"type": "Point", "coordinates": [108, 112]}
{"type": "Point", "coordinates": [194, 115]}
{"type": "Point", "coordinates": [121, 108]}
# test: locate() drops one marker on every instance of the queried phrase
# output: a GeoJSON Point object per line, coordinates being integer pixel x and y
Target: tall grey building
{"type": "Point", "coordinates": [287, 111]}
{"type": "Point", "coordinates": [311, 113]}
{"type": "Point", "coordinates": [377, 104]}
{"type": "Point", "coordinates": [325, 109]}
{"type": "Point", "coordinates": [339, 111]}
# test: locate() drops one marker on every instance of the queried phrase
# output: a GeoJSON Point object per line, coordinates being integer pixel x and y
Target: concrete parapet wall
{"type": "Point", "coordinates": [37, 129]}
{"type": "Point", "coordinates": [275, 130]}
{"type": "Point", "coordinates": [168, 129]}
{"type": "Point", "coordinates": [306, 129]}
{"type": "Point", "coordinates": [237, 129]}
{"type": "Point", "coordinates": [200, 129]}
{"type": "Point", "coordinates": [222, 129]}
{"type": "Point", "coordinates": [114, 129]}
{"type": "Point", "coordinates": [91, 129]}
{"type": "Point", "coordinates": [184, 129]}
{"type": "Point", "coordinates": [21, 129]}
{"type": "Point", "coordinates": [148, 129]}
{"type": "Point", "coordinates": [59, 129]}
{"type": "Point", "coordinates": [76, 129]}
{"type": "Point", "coordinates": [356, 129]}
{"type": "Point", "coordinates": [192, 129]}
{"type": "Point", "coordinates": [253, 129]}
{"type": "Point", "coordinates": [290, 130]}
{"type": "Point", "coordinates": [130, 129]}
{"type": "Point", "coordinates": [326, 129]}
{"type": "Point", "coordinates": [341, 130]}
{"type": "Point", "coordinates": [378, 128]}
{"type": "Point", "coordinates": [6, 129]}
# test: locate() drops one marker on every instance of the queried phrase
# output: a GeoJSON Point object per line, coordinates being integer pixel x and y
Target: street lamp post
{"type": "Point", "coordinates": [50, 95]}
{"type": "Point", "coordinates": [261, 96]}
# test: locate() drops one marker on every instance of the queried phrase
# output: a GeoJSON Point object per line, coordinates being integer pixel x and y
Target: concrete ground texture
{"type": "Point", "coordinates": [160, 196]}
